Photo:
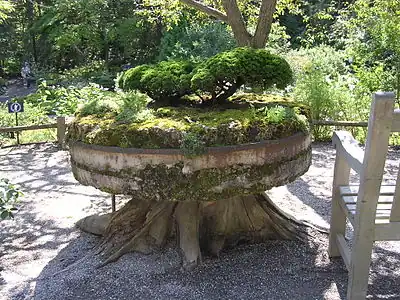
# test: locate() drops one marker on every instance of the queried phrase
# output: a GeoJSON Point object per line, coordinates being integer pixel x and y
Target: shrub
{"type": "Point", "coordinates": [134, 107]}
{"type": "Point", "coordinates": [59, 100]}
{"type": "Point", "coordinates": [165, 81]}
{"type": "Point", "coordinates": [9, 194]}
{"type": "Point", "coordinates": [224, 73]}
{"type": "Point", "coordinates": [192, 145]}
{"type": "Point", "coordinates": [100, 107]}
{"type": "Point", "coordinates": [126, 107]}
{"type": "Point", "coordinates": [323, 82]}
{"type": "Point", "coordinates": [217, 78]}
{"type": "Point", "coordinates": [194, 41]}
{"type": "Point", "coordinates": [95, 72]}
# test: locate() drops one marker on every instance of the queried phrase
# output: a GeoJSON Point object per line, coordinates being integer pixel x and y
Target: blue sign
{"type": "Point", "coordinates": [15, 107]}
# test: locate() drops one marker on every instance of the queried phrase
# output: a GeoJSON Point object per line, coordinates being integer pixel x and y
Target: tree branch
{"type": "Point", "coordinates": [206, 9]}
{"type": "Point", "coordinates": [235, 20]}
{"type": "Point", "coordinates": [264, 23]}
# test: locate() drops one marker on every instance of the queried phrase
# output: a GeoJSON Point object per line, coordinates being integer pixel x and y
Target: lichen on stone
{"type": "Point", "coordinates": [157, 182]}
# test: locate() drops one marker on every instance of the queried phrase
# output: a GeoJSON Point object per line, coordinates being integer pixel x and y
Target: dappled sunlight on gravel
{"type": "Point", "coordinates": [43, 256]}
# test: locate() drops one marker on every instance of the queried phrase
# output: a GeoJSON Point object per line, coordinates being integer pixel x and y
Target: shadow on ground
{"type": "Point", "coordinates": [273, 270]}
{"type": "Point", "coordinates": [385, 265]}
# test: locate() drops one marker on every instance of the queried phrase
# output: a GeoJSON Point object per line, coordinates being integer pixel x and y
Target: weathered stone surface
{"type": "Point", "coordinates": [96, 224]}
{"type": "Point", "coordinates": [166, 174]}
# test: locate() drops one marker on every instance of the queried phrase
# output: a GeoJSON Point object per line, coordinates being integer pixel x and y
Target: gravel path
{"type": "Point", "coordinates": [16, 89]}
{"type": "Point", "coordinates": [44, 257]}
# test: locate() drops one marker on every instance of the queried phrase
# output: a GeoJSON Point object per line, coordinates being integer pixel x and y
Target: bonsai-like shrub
{"type": "Point", "coordinates": [224, 73]}
{"type": "Point", "coordinates": [216, 79]}
{"type": "Point", "coordinates": [166, 81]}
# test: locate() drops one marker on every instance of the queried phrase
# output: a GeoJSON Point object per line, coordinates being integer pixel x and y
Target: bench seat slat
{"type": "Point", "coordinates": [383, 210]}
{"type": "Point", "coordinates": [381, 200]}
{"type": "Point", "coordinates": [352, 190]}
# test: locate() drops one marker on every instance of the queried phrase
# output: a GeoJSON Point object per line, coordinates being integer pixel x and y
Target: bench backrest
{"type": "Point", "coordinates": [382, 121]}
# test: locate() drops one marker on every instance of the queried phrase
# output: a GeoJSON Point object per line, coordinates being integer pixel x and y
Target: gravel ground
{"type": "Point", "coordinates": [16, 88]}
{"type": "Point", "coordinates": [44, 257]}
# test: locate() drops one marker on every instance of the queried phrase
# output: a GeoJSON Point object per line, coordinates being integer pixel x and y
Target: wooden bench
{"type": "Point", "coordinates": [373, 209]}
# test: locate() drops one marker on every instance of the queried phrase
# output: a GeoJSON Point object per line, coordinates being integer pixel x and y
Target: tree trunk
{"type": "Point", "coordinates": [206, 227]}
{"type": "Point", "coordinates": [234, 18]}
{"type": "Point", "coordinates": [264, 23]}
{"type": "Point", "coordinates": [222, 98]}
{"type": "Point", "coordinates": [31, 16]}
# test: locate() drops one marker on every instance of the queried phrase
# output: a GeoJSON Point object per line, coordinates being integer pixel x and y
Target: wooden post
{"type": "Point", "coordinates": [341, 175]}
{"type": "Point", "coordinates": [61, 128]}
{"type": "Point", "coordinates": [379, 126]}
{"type": "Point", "coordinates": [16, 124]}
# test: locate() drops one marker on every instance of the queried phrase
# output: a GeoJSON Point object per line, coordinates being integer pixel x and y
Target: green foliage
{"type": "Point", "coordinates": [277, 114]}
{"type": "Point", "coordinates": [5, 8]}
{"type": "Point", "coordinates": [192, 145]}
{"type": "Point", "coordinates": [217, 78]}
{"type": "Point", "coordinates": [9, 195]}
{"type": "Point", "coordinates": [95, 72]}
{"type": "Point", "coordinates": [194, 41]}
{"type": "Point", "coordinates": [292, 117]}
{"type": "Point", "coordinates": [324, 83]}
{"type": "Point", "coordinates": [100, 106]}
{"type": "Point", "coordinates": [373, 44]}
{"type": "Point", "coordinates": [165, 81]}
{"type": "Point", "coordinates": [134, 108]}
{"type": "Point", "coordinates": [32, 115]}
{"type": "Point", "coordinates": [61, 101]}
{"type": "Point", "coordinates": [125, 107]}
{"type": "Point", "coordinates": [224, 73]}
{"type": "Point", "coordinates": [80, 31]}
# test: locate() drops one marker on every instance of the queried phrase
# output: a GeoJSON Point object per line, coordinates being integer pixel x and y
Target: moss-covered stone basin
{"type": "Point", "coordinates": [167, 174]}
{"type": "Point", "coordinates": [239, 152]}
{"type": "Point", "coordinates": [185, 167]}
{"type": "Point", "coordinates": [229, 152]}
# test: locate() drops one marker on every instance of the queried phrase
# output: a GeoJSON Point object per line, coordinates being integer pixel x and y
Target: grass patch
{"type": "Point", "coordinates": [29, 136]}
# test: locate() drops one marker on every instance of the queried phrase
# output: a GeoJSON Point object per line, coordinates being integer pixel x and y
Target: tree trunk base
{"type": "Point", "coordinates": [206, 227]}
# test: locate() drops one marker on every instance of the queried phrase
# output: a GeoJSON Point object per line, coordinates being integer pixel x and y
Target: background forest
{"type": "Point", "coordinates": [340, 51]}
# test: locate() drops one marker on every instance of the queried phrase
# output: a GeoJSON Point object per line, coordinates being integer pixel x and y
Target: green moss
{"type": "Point", "coordinates": [168, 126]}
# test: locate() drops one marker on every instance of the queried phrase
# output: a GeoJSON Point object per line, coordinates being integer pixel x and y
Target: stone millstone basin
{"type": "Point", "coordinates": [167, 174]}
{"type": "Point", "coordinates": [183, 184]}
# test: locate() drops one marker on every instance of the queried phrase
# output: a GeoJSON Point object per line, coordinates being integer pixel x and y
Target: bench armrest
{"type": "Point", "coordinates": [348, 147]}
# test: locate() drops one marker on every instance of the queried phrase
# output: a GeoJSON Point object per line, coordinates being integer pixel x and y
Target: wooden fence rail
{"type": "Point", "coordinates": [29, 127]}
{"type": "Point", "coordinates": [60, 125]}
{"type": "Point", "coordinates": [340, 123]}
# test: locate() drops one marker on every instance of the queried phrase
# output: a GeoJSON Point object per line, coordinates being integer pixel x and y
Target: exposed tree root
{"type": "Point", "coordinates": [187, 216]}
{"type": "Point", "coordinates": [210, 226]}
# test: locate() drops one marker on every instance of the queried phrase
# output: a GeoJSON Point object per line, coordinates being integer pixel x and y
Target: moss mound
{"type": "Point", "coordinates": [192, 129]}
